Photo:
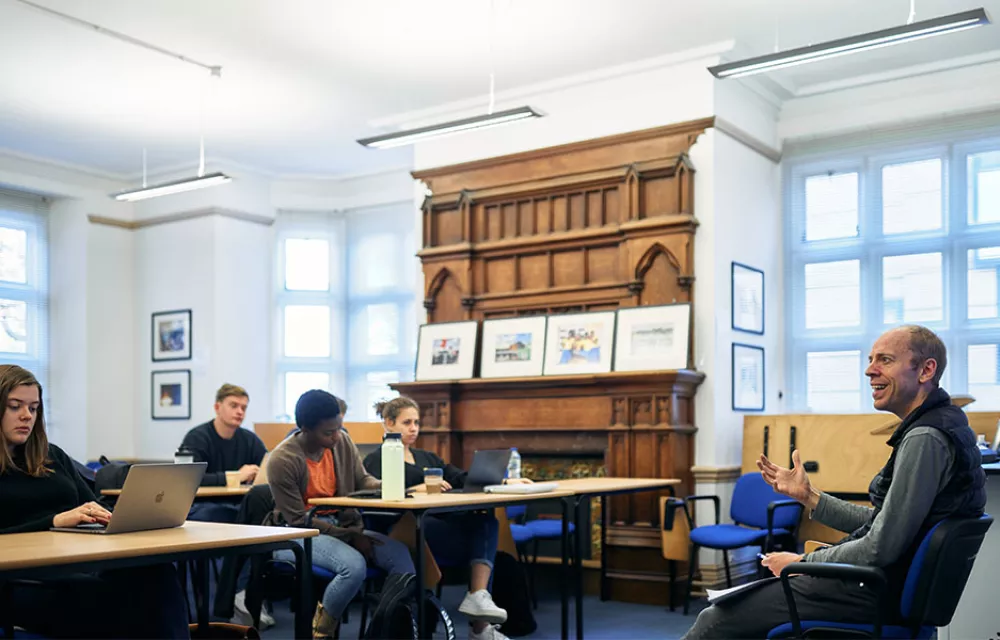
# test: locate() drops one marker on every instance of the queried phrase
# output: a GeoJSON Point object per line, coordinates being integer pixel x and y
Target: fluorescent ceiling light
{"type": "Point", "coordinates": [854, 44]}
{"type": "Point", "coordinates": [177, 186]}
{"type": "Point", "coordinates": [448, 128]}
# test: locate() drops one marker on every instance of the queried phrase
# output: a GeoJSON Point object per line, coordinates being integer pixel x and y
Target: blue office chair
{"type": "Point", "coordinates": [933, 587]}
{"type": "Point", "coordinates": [755, 504]}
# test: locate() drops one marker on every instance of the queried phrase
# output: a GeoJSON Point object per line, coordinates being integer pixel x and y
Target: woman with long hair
{"type": "Point", "coordinates": [40, 488]}
{"type": "Point", "coordinates": [453, 538]}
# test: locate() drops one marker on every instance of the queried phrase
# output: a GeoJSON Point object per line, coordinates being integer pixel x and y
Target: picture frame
{"type": "Point", "coordinates": [171, 335]}
{"type": "Point", "coordinates": [747, 299]}
{"type": "Point", "coordinates": [171, 395]}
{"type": "Point", "coordinates": [749, 381]}
{"type": "Point", "coordinates": [446, 351]}
{"type": "Point", "coordinates": [592, 354]}
{"type": "Point", "coordinates": [653, 338]}
{"type": "Point", "coordinates": [513, 347]}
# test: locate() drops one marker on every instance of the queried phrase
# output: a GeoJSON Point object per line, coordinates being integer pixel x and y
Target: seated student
{"type": "Point", "coordinates": [321, 461]}
{"type": "Point", "coordinates": [934, 472]}
{"type": "Point", "coordinates": [343, 414]}
{"type": "Point", "coordinates": [453, 538]}
{"type": "Point", "coordinates": [39, 489]}
{"type": "Point", "coordinates": [225, 446]}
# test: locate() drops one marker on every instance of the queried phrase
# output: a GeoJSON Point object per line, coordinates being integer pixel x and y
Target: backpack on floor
{"type": "Point", "coordinates": [512, 593]}
{"type": "Point", "coordinates": [395, 617]}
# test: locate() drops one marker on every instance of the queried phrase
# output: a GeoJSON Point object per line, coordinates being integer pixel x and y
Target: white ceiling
{"type": "Point", "coordinates": [303, 79]}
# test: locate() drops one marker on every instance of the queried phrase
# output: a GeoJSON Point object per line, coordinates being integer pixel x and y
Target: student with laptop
{"type": "Point", "coordinates": [454, 538]}
{"type": "Point", "coordinates": [41, 489]}
{"type": "Point", "coordinates": [225, 446]}
{"type": "Point", "coordinates": [321, 461]}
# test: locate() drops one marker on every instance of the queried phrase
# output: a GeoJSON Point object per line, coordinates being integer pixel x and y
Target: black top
{"type": "Point", "coordinates": [414, 473]}
{"type": "Point", "coordinates": [223, 455]}
{"type": "Point", "coordinates": [29, 504]}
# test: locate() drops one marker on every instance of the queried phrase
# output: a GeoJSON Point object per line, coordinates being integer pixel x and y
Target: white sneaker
{"type": "Point", "coordinates": [241, 615]}
{"type": "Point", "coordinates": [480, 606]}
{"type": "Point", "coordinates": [491, 632]}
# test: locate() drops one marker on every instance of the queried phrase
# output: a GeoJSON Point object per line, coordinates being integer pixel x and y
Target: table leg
{"type": "Point", "coordinates": [203, 582]}
{"type": "Point", "coordinates": [307, 601]}
{"type": "Point", "coordinates": [578, 560]}
{"type": "Point", "coordinates": [566, 577]}
{"type": "Point", "coordinates": [604, 549]}
{"type": "Point", "coordinates": [419, 569]}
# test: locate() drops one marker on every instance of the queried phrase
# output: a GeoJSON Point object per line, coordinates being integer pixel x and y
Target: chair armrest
{"type": "Point", "coordinates": [813, 545]}
{"type": "Point", "coordinates": [771, 508]}
{"type": "Point", "coordinates": [670, 505]}
{"type": "Point", "coordinates": [691, 499]}
{"type": "Point", "coordinates": [869, 575]}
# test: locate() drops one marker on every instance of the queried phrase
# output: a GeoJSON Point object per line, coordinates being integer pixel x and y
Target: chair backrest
{"type": "Point", "coordinates": [750, 499]}
{"type": "Point", "coordinates": [940, 569]}
{"type": "Point", "coordinates": [516, 512]}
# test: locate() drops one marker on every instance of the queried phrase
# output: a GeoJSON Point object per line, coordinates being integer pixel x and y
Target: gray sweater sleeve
{"type": "Point", "coordinates": [923, 466]}
{"type": "Point", "coordinates": [841, 514]}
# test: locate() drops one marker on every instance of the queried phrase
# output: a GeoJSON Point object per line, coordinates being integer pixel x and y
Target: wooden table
{"type": "Point", "coordinates": [52, 553]}
{"type": "Point", "coordinates": [571, 493]}
{"type": "Point", "coordinates": [203, 492]}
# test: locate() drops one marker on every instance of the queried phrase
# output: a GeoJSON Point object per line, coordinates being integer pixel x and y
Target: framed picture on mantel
{"type": "Point", "coordinates": [653, 338]}
{"type": "Point", "coordinates": [579, 343]}
{"type": "Point", "coordinates": [513, 347]}
{"type": "Point", "coordinates": [446, 351]}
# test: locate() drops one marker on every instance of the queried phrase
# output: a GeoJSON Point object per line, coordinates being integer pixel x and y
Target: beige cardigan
{"type": "Point", "coordinates": [288, 475]}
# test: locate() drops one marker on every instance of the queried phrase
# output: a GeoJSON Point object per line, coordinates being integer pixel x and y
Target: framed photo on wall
{"type": "Point", "coordinates": [653, 338]}
{"type": "Point", "coordinates": [513, 347]}
{"type": "Point", "coordinates": [748, 299]}
{"type": "Point", "coordinates": [171, 333]}
{"type": "Point", "coordinates": [446, 350]}
{"type": "Point", "coordinates": [171, 397]}
{"type": "Point", "coordinates": [748, 377]}
{"type": "Point", "coordinates": [579, 343]}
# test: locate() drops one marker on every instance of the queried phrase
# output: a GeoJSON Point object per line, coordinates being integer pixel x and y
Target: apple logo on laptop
{"type": "Point", "coordinates": [159, 497]}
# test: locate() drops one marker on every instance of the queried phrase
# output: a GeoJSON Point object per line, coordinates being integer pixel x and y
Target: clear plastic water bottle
{"type": "Point", "coordinates": [514, 465]}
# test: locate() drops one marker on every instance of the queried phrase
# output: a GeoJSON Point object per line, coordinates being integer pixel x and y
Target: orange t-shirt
{"type": "Point", "coordinates": [322, 477]}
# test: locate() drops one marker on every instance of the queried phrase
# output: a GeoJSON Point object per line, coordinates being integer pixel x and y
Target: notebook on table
{"type": "Point", "coordinates": [537, 487]}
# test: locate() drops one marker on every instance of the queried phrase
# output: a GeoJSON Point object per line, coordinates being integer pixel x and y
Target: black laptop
{"type": "Point", "coordinates": [488, 467]}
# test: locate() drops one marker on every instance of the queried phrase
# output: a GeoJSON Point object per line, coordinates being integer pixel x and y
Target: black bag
{"type": "Point", "coordinates": [111, 475]}
{"type": "Point", "coordinates": [395, 617]}
{"type": "Point", "coordinates": [511, 592]}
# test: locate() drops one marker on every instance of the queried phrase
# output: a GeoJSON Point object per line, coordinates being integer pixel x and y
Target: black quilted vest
{"type": "Point", "coordinates": [964, 496]}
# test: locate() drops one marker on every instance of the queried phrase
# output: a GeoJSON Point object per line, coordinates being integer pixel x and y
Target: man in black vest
{"type": "Point", "coordinates": [934, 472]}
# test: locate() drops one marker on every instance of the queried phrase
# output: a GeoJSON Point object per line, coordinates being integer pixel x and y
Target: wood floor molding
{"type": "Point", "coordinates": [181, 216]}
{"type": "Point", "coordinates": [705, 474]}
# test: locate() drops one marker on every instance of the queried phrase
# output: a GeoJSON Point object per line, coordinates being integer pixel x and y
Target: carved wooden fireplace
{"type": "Point", "coordinates": [588, 226]}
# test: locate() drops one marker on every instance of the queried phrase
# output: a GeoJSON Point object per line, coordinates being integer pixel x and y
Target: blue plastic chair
{"type": "Point", "coordinates": [763, 513]}
{"type": "Point", "coordinates": [934, 585]}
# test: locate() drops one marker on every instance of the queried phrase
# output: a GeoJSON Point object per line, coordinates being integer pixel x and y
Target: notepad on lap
{"type": "Point", "coordinates": [715, 597]}
{"type": "Point", "coordinates": [537, 487]}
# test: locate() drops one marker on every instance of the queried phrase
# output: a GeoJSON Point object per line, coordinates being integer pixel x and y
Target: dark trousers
{"type": "Point", "coordinates": [754, 614]}
{"type": "Point", "coordinates": [140, 602]}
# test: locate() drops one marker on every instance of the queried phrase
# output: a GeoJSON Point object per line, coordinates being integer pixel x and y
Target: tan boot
{"type": "Point", "coordinates": [324, 625]}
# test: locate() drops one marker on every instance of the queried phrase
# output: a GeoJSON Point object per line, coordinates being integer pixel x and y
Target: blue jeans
{"type": "Point", "coordinates": [349, 566]}
{"type": "Point", "coordinates": [465, 537]}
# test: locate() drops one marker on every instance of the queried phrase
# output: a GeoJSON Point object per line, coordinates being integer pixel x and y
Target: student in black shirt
{"type": "Point", "coordinates": [225, 446]}
{"type": "Point", "coordinates": [453, 538]}
{"type": "Point", "coordinates": [40, 488]}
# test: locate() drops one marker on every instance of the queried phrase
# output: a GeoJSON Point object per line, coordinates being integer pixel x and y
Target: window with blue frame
{"type": "Point", "coordinates": [886, 236]}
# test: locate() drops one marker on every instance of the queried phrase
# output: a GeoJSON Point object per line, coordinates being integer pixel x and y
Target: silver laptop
{"type": "Point", "coordinates": [155, 496]}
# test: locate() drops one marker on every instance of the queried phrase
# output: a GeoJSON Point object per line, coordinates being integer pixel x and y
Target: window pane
{"type": "Point", "coordinates": [833, 294]}
{"type": "Point", "coordinates": [984, 384]}
{"type": "Point", "coordinates": [307, 264]}
{"type": "Point", "coordinates": [375, 263]}
{"type": "Point", "coordinates": [983, 266]}
{"type": "Point", "coordinates": [383, 329]}
{"type": "Point", "coordinates": [984, 187]}
{"type": "Point", "coordinates": [833, 381]}
{"type": "Point", "coordinates": [298, 382]}
{"type": "Point", "coordinates": [307, 331]}
{"type": "Point", "coordinates": [378, 389]}
{"type": "Point", "coordinates": [912, 288]}
{"type": "Point", "coordinates": [13, 326]}
{"type": "Point", "coordinates": [911, 196]}
{"type": "Point", "coordinates": [13, 260]}
{"type": "Point", "coordinates": [831, 206]}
